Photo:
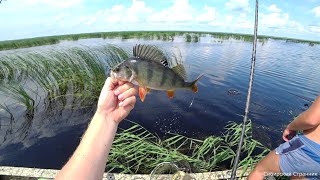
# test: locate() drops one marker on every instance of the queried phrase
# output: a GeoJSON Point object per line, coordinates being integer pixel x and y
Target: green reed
{"type": "Point", "coordinates": [65, 78]}
{"type": "Point", "coordinates": [150, 35]}
{"type": "Point", "coordinates": [19, 94]}
{"type": "Point", "coordinates": [136, 150]}
{"type": "Point", "coordinates": [187, 37]}
{"type": "Point", "coordinates": [195, 38]}
{"type": "Point", "coordinates": [23, 43]}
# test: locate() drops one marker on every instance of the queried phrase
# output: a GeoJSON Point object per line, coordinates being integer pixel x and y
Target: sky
{"type": "Point", "coordinates": [34, 18]}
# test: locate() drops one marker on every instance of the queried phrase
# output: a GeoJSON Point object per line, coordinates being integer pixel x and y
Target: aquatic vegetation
{"type": "Point", "coordinates": [57, 78]}
{"type": "Point", "coordinates": [23, 43]}
{"type": "Point", "coordinates": [136, 150]}
{"type": "Point", "coordinates": [21, 97]}
{"type": "Point", "coordinates": [195, 38]}
{"type": "Point", "coordinates": [73, 77]}
{"type": "Point", "coordinates": [18, 94]}
{"type": "Point", "coordinates": [190, 36]}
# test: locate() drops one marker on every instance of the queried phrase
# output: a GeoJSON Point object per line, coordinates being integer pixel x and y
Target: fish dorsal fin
{"type": "Point", "coordinates": [180, 70]}
{"type": "Point", "coordinates": [151, 53]}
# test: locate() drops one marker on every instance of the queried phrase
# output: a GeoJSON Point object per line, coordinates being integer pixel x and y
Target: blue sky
{"type": "Point", "coordinates": [294, 18]}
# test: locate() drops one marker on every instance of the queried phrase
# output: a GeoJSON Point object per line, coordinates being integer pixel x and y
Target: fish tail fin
{"type": "Point", "coordinates": [193, 85]}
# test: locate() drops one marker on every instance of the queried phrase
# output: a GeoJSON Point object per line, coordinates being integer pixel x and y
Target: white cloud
{"type": "Point", "coordinates": [137, 12]}
{"type": "Point", "coordinates": [117, 8]}
{"type": "Point", "coordinates": [315, 29]}
{"type": "Point", "coordinates": [238, 5]}
{"type": "Point", "coordinates": [229, 18]}
{"type": "Point", "coordinates": [209, 15]}
{"type": "Point", "coordinates": [138, 9]}
{"type": "Point", "coordinates": [60, 16]}
{"type": "Point", "coordinates": [236, 16]}
{"type": "Point", "coordinates": [316, 11]}
{"type": "Point", "coordinates": [233, 22]}
{"type": "Point", "coordinates": [296, 26]}
{"type": "Point", "coordinates": [274, 20]}
{"type": "Point", "coordinates": [245, 24]}
{"type": "Point", "coordinates": [181, 11]}
{"type": "Point", "coordinates": [90, 20]}
{"type": "Point", "coordinates": [274, 8]}
{"type": "Point", "coordinates": [280, 22]}
{"type": "Point", "coordinates": [216, 23]}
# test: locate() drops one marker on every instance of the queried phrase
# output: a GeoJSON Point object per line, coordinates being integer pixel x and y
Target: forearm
{"type": "Point", "coordinates": [307, 120]}
{"type": "Point", "coordinates": [89, 160]}
{"type": "Point", "coordinates": [299, 125]}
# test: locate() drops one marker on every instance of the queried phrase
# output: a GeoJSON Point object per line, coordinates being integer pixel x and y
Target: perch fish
{"type": "Point", "coordinates": [149, 69]}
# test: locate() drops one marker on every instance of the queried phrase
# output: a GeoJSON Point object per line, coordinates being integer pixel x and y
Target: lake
{"type": "Point", "coordinates": [287, 79]}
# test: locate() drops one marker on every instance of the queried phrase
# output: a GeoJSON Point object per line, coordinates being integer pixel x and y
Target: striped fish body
{"type": "Point", "coordinates": [155, 76]}
{"type": "Point", "coordinates": [149, 69]}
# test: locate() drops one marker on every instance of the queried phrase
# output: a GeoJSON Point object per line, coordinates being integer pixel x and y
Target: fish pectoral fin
{"type": "Point", "coordinates": [194, 87]}
{"type": "Point", "coordinates": [142, 93]}
{"type": "Point", "coordinates": [148, 90]}
{"type": "Point", "coordinates": [170, 94]}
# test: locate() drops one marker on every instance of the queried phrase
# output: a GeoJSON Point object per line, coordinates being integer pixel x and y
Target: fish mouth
{"type": "Point", "coordinates": [113, 74]}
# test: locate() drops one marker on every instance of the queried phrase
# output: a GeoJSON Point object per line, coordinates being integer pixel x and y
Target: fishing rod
{"type": "Point", "coordinates": [253, 62]}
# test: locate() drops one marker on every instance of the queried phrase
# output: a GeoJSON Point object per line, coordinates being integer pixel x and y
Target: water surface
{"type": "Point", "coordinates": [287, 78]}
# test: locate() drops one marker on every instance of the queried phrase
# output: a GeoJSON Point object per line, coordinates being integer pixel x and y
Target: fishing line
{"type": "Point", "coordinates": [192, 101]}
{"type": "Point", "coordinates": [253, 62]}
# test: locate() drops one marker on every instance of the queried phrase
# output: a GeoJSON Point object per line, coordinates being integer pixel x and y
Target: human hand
{"type": "Point", "coordinates": [288, 134]}
{"type": "Point", "coordinates": [117, 99]}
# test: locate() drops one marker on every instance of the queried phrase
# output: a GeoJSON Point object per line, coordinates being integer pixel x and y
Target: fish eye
{"type": "Point", "coordinates": [116, 69]}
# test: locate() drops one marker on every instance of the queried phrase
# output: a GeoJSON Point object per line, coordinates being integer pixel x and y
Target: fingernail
{"type": "Point", "coordinates": [120, 104]}
{"type": "Point", "coordinates": [120, 97]}
{"type": "Point", "coordinates": [116, 92]}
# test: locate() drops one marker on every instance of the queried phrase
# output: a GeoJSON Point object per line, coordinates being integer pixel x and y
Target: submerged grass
{"type": "Point", "coordinates": [136, 150]}
{"type": "Point", "coordinates": [19, 94]}
{"type": "Point", "coordinates": [57, 70]}
{"type": "Point", "coordinates": [190, 36]}
{"type": "Point", "coordinates": [64, 78]}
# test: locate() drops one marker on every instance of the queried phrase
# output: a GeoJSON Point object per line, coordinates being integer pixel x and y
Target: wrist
{"type": "Point", "coordinates": [104, 119]}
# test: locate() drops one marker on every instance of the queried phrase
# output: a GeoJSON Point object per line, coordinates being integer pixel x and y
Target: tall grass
{"type": "Point", "coordinates": [191, 37]}
{"type": "Point", "coordinates": [136, 150]}
{"type": "Point", "coordinates": [19, 94]}
{"type": "Point", "coordinates": [65, 78]}
{"type": "Point", "coordinates": [23, 43]}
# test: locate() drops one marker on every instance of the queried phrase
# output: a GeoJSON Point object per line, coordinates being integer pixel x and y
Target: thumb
{"type": "Point", "coordinates": [285, 138]}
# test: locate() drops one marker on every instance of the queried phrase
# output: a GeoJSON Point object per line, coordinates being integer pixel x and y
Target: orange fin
{"type": "Point", "coordinates": [170, 94]}
{"type": "Point", "coordinates": [194, 87]}
{"type": "Point", "coordinates": [142, 93]}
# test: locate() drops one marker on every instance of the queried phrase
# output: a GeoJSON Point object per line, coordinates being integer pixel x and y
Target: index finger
{"type": "Point", "coordinates": [121, 82]}
{"type": "Point", "coordinates": [110, 84]}
{"type": "Point", "coordinates": [122, 88]}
